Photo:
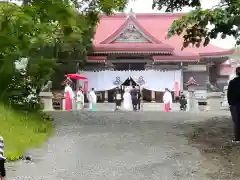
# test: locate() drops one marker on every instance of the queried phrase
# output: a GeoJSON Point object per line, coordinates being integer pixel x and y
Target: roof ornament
{"type": "Point", "coordinates": [131, 14]}
{"type": "Point", "coordinates": [191, 82]}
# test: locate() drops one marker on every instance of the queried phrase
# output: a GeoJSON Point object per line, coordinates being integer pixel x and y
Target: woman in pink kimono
{"type": "Point", "coordinates": [167, 100]}
{"type": "Point", "coordinates": [68, 101]}
{"type": "Point", "coordinates": [68, 97]}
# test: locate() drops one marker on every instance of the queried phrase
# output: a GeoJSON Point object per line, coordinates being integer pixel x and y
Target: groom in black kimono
{"type": "Point", "coordinates": [139, 96]}
{"type": "Point", "coordinates": [134, 93]}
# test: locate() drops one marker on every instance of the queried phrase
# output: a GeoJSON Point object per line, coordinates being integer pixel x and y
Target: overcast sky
{"type": "Point", "coordinates": [145, 6]}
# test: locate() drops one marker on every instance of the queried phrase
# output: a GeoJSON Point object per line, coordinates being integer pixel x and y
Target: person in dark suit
{"type": "Point", "coordinates": [134, 93]}
{"type": "Point", "coordinates": [233, 96]}
{"type": "Point", "coordinates": [139, 96]}
{"type": "Point", "coordinates": [183, 103]}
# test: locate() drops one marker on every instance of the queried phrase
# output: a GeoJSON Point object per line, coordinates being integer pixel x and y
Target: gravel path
{"type": "Point", "coordinates": [115, 146]}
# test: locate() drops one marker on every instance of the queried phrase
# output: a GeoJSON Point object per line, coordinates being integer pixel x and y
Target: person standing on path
{"type": "Point", "coordinates": [134, 93]}
{"type": "Point", "coordinates": [92, 100]}
{"type": "Point", "coordinates": [167, 100]}
{"type": "Point", "coordinates": [80, 99]}
{"type": "Point", "coordinates": [2, 160]}
{"type": "Point", "coordinates": [69, 96]}
{"type": "Point", "coordinates": [118, 99]}
{"type": "Point", "coordinates": [183, 103]}
{"type": "Point", "coordinates": [127, 100]}
{"type": "Point", "coordinates": [233, 96]}
{"type": "Point", "coordinates": [139, 96]}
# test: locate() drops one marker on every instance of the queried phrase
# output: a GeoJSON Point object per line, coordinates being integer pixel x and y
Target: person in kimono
{"type": "Point", "coordinates": [92, 100]}
{"type": "Point", "coordinates": [127, 100]}
{"type": "Point", "coordinates": [80, 99]}
{"type": "Point", "coordinates": [69, 95]}
{"type": "Point", "coordinates": [118, 99]}
{"type": "Point", "coordinates": [134, 95]}
{"type": "Point", "coordinates": [139, 97]}
{"type": "Point", "coordinates": [167, 100]}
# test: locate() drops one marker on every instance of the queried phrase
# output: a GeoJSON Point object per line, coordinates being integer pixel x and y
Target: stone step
{"type": "Point", "coordinates": [145, 106]}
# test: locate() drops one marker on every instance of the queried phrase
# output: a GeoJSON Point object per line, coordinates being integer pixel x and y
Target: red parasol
{"type": "Point", "coordinates": [79, 77]}
{"type": "Point", "coordinates": [75, 77]}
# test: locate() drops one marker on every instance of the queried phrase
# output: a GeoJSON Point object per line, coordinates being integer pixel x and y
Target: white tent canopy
{"type": "Point", "coordinates": [149, 79]}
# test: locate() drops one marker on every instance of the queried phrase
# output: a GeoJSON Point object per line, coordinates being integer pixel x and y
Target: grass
{"type": "Point", "coordinates": [22, 131]}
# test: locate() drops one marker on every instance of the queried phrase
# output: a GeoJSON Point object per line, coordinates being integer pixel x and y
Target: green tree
{"type": "Point", "coordinates": [45, 32]}
{"type": "Point", "coordinates": [224, 19]}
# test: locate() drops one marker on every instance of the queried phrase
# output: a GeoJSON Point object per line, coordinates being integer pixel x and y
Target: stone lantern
{"type": "Point", "coordinates": [47, 96]}
{"type": "Point", "coordinates": [192, 85]}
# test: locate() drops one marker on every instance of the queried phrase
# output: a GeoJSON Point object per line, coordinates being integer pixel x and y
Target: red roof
{"type": "Point", "coordinates": [97, 58]}
{"type": "Point", "coordinates": [177, 56]}
{"type": "Point", "coordinates": [143, 47]}
{"type": "Point", "coordinates": [154, 27]}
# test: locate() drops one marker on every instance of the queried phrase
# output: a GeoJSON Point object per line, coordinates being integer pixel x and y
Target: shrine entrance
{"type": "Point", "coordinates": [129, 82]}
{"type": "Point", "coordinates": [150, 81]}
{"type": "Point", "coordinates": [132, 63]}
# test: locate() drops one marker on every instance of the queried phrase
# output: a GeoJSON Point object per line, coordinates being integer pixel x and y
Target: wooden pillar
{"type": "Point", "coordinates": [182, 80]}
{"type": "Point", "coordinates": [105, 96]}
{"type": "Point", "coordinates": [208, 67]}
{"type": "Point", "coordinates": [153, 98]}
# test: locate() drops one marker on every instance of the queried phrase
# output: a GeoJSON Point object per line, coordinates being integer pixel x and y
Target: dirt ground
{"type": "Point", "coordinates": [134, 145]}
{"type": "Point", "coordinates": [213, 139]}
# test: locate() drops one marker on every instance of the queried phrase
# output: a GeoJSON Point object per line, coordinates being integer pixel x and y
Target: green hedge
{"type": "Point", "coordinates": [22, 131]}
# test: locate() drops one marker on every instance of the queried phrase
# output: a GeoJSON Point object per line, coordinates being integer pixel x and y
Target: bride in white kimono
{"type": "Point", "coordinates": [127, 100]}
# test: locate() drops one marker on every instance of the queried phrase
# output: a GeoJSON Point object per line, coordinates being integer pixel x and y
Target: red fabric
{"type": "Point", "coordinates": [85, 86]}
{"type": "Point", "coordinates": [176, 89]}
{"type": "Point", "coordinates": [167, 107]}
{"type": "Point", "coordinates": [76, 76]}
{"type": "Point", "coordinates": [68, 102]}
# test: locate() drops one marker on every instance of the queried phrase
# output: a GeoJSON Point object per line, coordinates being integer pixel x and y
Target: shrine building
{"type": "Point", "coordinates": [134, 46]}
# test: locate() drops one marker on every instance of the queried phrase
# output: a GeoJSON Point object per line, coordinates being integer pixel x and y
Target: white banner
{"type": "Point", "coordinates": [159, 80]}
{"type": "Point", "coordinates": [150, 79]}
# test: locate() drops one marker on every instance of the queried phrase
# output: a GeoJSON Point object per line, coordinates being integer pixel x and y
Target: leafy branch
{"type": "Point", "coordinates": [201, 25]}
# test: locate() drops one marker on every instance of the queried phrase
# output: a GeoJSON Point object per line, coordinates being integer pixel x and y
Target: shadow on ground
{"type": "Point", "coordinates": [213, 139]}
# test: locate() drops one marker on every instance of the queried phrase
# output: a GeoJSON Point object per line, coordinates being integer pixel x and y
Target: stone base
{"type": "Point", "coordinates": [214, 101]}
{"type": "Point", "coordinates": [224, 105]}
{"type": "Point", "coordinates": [145, 106]}
{"type": "Point", "coordinates": [46, 98]}
{"type": "Point", "coordinates": [194, 106]}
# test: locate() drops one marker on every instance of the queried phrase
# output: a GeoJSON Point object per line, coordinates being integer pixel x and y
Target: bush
{"type": "Point", "coordinates": [21, 94]}
{"type": "Point", "coordinates": [22, 131]}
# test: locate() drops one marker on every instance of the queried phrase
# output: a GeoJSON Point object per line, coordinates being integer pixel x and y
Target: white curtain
{"type": "Point", "coordinates": [159, 80]}
{"type": "Point", "coordinates": [105, 80]}
{"type": "Point", "coordinates": [153, 80]}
